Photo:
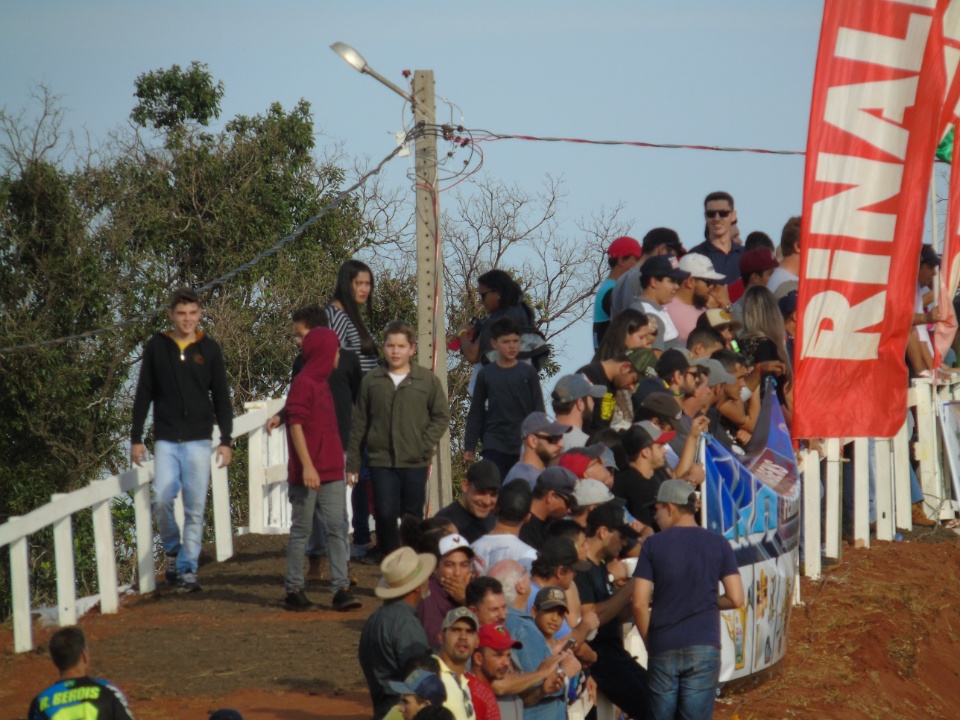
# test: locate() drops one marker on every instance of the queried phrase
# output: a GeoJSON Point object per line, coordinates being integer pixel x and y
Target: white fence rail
{"type": "Point", "coordinates": [270, 510]}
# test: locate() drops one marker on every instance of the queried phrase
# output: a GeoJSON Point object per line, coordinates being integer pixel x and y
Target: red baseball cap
{"type": "Point", "coordinates": [624, 246]}
{"type": "Point", "coordinates": [497, 637]}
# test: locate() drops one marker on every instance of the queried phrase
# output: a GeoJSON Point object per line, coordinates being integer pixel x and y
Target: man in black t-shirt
{"type": "Point", "coordinates": [616, 673]}
{"type": "Point", "coordinates": [472, 512]}
{"type": "Point", "coordinates": [639, 481]}
{"type": "Point", "coordinates": [552, 499]}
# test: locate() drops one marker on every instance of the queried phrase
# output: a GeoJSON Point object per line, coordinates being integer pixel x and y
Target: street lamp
{"type": "Point", "coordinates": [431, 320]}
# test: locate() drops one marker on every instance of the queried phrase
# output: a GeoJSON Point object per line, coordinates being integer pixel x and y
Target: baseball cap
{"type": "Point", "coordinates": [700, 266]}
{"type": "Point", "coordinates": [610, 516]}
{"type": "Point", "coordinates": [757, 260]}
{"type": "Point", "coordinates": [664, 266]}
{"type": "Point", "coordinates": [624, 246]}
{"type": "Point", "coordinates": [677, 492]}
{"type": "Point", "coordinates": [642, 359]}
{"type": "Point", "coordinates": [550, 597]}
{"type": "Point", "coordinates": [450, 543]}
{"type": "Point", "coordinates": [460, 613]}
{"type": "Point", "coordinates": [718, 373]}
{"type": "Point", "coordinates": [928, 256]}
{"type": "Point", "coordinates": [665, 406]}
{"type": "Point", "coordinates": [513, 502]}
{"type": "Point", "coordinates": [717, 318]}
{"type": "Point", "coordinates": [424, 684]}
{"type": "Point", "coordinates": [593, 492]}
{"type": "Point", "coordinates": [656, 434]}
{"type": "Point", "coordinates": [662, 236]}
{"type": "Point", "coordinates": [577, 460]}
{"type": "Point", "coordinates": [539, 422]}
{"type": "Point", "coordinates": [788, 303]}
{"type": "Point", "coordinates": [497, 637]}
{"type": "Point", "coordinates": [225, 714]}
{"type": "Point", "coordinates": [562, 481]}
{"type": "Point", "coordinates": [561, 550]}
{"type": "Point", "coordinates": [483, 475]}
{"type": "Point", "coordinates": [574, 387]}
{"type": "Point", "coordinates": [608, 459]}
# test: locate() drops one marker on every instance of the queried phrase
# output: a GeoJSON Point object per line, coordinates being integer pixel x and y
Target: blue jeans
{"type": "Point", "coordinates": [683, 683]}
{"type": "Point", "coordinates": [181, 466]}
{"type": "Point", "coordinates": [360, 504]}
{"type": "Point", "coordinates": [396, 492]}
{"type": "Point", "coordinates": [332, 503]}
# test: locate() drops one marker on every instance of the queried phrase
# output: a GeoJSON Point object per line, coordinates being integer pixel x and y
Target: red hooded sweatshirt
{"type": "Point", "coordinates": [310, 404]}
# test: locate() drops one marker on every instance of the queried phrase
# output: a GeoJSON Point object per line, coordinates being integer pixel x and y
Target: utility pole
{"type": "Point", "coordinates": [431, 333]}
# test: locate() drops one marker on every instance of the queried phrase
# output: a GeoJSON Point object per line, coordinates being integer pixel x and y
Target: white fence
{"type": "Point", "coordinates": [270, 511]}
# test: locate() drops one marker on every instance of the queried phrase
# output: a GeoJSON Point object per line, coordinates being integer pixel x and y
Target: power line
{"type": "Point", "coordinates": [286, 239]}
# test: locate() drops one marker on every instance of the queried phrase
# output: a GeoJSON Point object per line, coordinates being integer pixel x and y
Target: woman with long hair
{"type": "Point", "coordinates": [501, 296]}
{"type": "Point", "coordinates": [353, 291]}
{"type": "Point", "coordinates": [629, 329]}
{"type": "Point", "coordinates": [763, 340]}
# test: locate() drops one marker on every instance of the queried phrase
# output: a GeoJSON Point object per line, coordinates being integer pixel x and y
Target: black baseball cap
{"type": "Point", "coordinates": [664, 266]}
{"type": "Point", "coordinates": [483, 475]}
{"type": "Point", "coordinates": [609, 515]}
{"type": "Point", "coordinates": [561, 550]}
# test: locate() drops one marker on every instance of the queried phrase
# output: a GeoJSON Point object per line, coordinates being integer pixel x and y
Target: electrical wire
{"type": "Point", "coordinates": [487, 136]}
{"type": "Point", "coordinates": [285, 240]}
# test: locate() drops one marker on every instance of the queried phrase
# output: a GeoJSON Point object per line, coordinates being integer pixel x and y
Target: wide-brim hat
{"type": "Point", "coordinates": [403, 570]}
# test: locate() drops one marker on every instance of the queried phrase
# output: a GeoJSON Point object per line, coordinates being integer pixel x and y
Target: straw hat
{"type": "Point", "coordinates": [403, 570]}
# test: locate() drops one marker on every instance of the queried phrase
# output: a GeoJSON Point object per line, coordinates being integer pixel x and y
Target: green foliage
{"type": "Point", "coordinates": [170, 98]}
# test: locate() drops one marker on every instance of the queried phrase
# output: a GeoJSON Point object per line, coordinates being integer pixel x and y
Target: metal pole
{"type": "Point", "coordinates": [431, 322]}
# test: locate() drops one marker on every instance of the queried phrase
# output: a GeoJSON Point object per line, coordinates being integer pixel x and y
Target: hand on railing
{"type": "Point", "coordinates": [273, 423]}
{"type": "Point", "coordinates": [224, 456]}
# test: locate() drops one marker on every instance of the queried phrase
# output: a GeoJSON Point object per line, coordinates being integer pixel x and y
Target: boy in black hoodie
{"type": "Point", "coordinates": [182, 373]}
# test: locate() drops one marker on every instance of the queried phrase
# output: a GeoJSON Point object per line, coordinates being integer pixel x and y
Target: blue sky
{"type": "Point", "coordinates": [678, 71]}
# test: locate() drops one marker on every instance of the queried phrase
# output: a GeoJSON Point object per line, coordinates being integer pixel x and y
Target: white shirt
{"type": "Point", "coordinates": [397, 379]}
{"type": "Point", "coordinates": [491, 549]}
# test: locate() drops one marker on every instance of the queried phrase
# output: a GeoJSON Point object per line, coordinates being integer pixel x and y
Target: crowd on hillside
{"type": "Point", "coordinates": [571, 519]}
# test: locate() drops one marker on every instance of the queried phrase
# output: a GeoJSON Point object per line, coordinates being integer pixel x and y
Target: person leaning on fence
{"type": "Point", "coordinates": [75, 694]}
{"type": "Point", "coordinates": [182, 374]}
{"type": "Point", "coordinates": [400, 416]}
{"type": "Point", "coordinates": [315, 472]}
{"type": "Point", "coordinates": [679, 570]}
{"type": "Point", "coordinates": [393, 634]}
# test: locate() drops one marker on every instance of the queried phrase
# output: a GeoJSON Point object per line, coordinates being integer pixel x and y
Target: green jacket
{"type": "Point", "coordinates": [399, 426]}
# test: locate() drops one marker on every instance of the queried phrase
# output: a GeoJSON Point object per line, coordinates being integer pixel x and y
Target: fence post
{"type": "Point", "coordinates": [20, 593]}
{"type": "Point", "coordinates": [861, 493]}
{"type": "Point", "coordinates": [146, 565]}
{"type": "Point", "coordinates": [834, 498]}
{"type": "Point", "coordinates": [810, 464]}
{"type": "Point", "coordinates": [901, 479]}
{"type": "Point", "coordinates": [884, 490]}
{"type": "Point", "coordinates": [222, 524]}
{"type": "Point", "coordinates": [256, 474]}
{"type": "Point", "coordinates": [66, 572]}
{"type": "Point", "coordinates": [927, 451]}
{"type": "Point", "coordinates": [106, 557]}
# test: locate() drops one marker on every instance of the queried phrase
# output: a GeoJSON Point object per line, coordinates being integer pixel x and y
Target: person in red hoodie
{"type": "Point", "coordinates": [315, 472]}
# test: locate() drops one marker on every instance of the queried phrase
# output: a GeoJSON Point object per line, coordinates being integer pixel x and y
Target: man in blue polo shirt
{"type": "Point", "coordinates": [719, 246]}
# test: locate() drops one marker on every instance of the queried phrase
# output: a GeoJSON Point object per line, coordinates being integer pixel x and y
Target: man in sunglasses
{"type": "Point", "coordinates": [542, 438]}
{"type": "Point", "coordinates": [719, 246]}
{"type": "Point", "coordinates": [695, 292]}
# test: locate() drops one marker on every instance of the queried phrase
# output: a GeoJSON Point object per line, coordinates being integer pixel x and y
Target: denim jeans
{"type": "Point", "coordinates": [331, 499]}
{"type": "Point", "coordinates": [360, 503]}
{"type": "Point", "coordinates": [396, 492]}
{"type": "Point", "coordinates": [683, 683]}
{"type": "Point", "coordinates": [181, 466]}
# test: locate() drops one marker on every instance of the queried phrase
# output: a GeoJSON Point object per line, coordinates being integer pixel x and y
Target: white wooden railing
{"type": "Point", "coordinates": [891, 480]}
{"type": "Point", "coordinates": [269, 512]}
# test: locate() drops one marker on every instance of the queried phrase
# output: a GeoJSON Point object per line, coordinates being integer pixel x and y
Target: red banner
{"type": "Point", "coordinates": [949, 279]}
{"type": "Point", "coordinates": [879, 88]}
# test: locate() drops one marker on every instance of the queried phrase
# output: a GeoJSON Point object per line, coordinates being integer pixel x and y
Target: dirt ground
{"type": "Point", "coordinates": [876, 637]}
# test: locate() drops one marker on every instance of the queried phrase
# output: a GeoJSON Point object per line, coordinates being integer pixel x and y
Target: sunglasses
{"type": "Point", "coordinates": [713, 213]}
{"type": "Point", "coordinates": [552, 439]}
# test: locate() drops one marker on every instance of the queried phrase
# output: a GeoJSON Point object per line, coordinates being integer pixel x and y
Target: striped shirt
{"type": "Point", "coordinates": [343, 326]}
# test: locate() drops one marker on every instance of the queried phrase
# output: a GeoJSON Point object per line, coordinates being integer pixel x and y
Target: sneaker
{"type": "Point", "coordinates": [188, 583]}
{"type": "Point", "coordinates": [372, 557]}
{"type": "Point", "coordinates": [358, 551]}
{"type": "Point", "coordinates": [345, 600]}
{"type": "Point", "coordinates": [297, 601]}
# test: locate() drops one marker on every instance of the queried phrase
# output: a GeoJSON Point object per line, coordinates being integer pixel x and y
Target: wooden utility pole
{"type": "Point", "coordinates": [431, 329]}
